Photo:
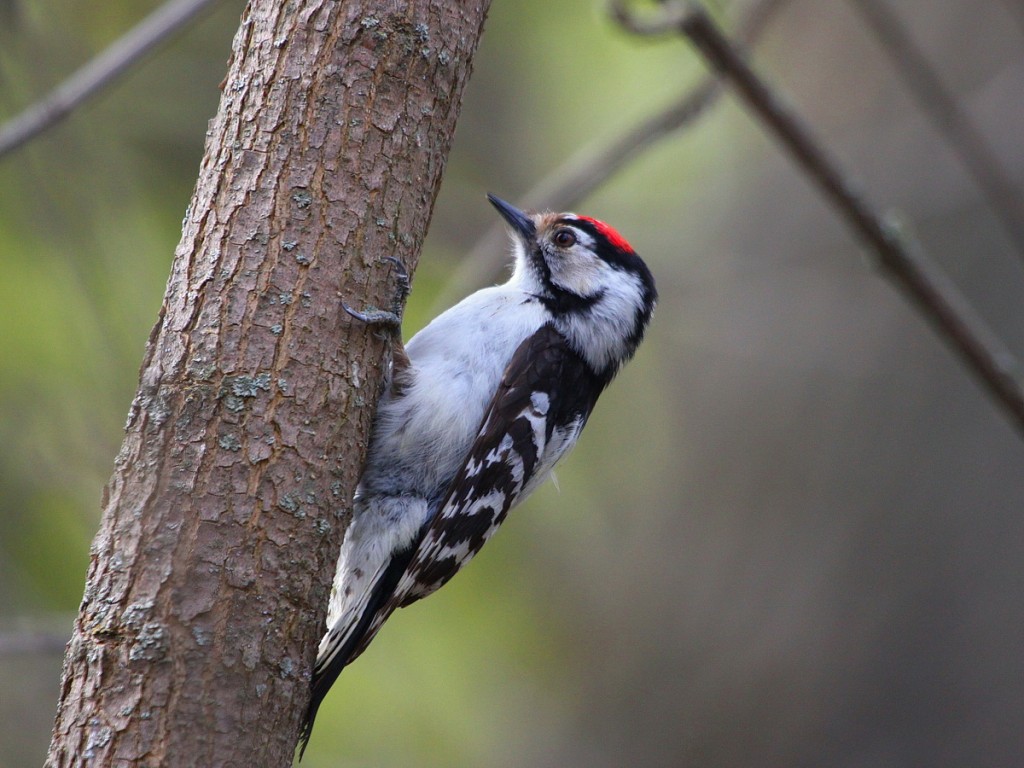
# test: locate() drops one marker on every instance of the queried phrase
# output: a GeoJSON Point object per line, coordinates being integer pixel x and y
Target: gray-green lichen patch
{"type": "Point", "coordinates": [229, 443]}
{"type": "Point", "coordinates": [104, 621]}
{"type": "Point", "coordinates": [200, 370]}
{"type": "Point", "coordinates": [155, 407]}
{"type": "Point", "coordinates": [289, 503]}
{"type": "Point", "coordinates": [234, 404]}
{"type": "Point", "coordinates": [136, 613]}
{"type": "Point", "coordinates": [201, 636]}
{"type": "Point", "coordinates": [237, 389]}
{"type": "Point", "coordinates": [248, 386]}
{"type": "Point", "coordinates": [99, 737]}
{"type": "Point", "coordinates": [287, 667]}
{"type": "Point", "coordinates": [150, 644]}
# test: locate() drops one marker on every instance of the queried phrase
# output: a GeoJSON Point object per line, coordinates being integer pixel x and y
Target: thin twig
{"type": "Point", "coordinates": [587, 170]}
{"type": "Point", "coordinates": [902, 261]}
{"type": "Point", "coordinates": [940, 105]}
{"type": "Point", "coordinates": [100, 72]}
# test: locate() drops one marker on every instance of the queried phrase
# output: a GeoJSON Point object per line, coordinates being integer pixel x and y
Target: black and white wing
{"type": "Point", "coordinates": [546, 395]}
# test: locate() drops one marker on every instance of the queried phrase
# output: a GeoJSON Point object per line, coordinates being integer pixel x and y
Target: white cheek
{"type": "Point", "coordinates": [581, 274]}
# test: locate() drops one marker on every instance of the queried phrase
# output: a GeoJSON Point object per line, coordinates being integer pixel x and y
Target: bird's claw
{"type": "Point", "coordinates": [388, 319]}
{"type": "Point", "coordinates": [402, 277]}
{"type": "Point", "coordinates": [374, 316]}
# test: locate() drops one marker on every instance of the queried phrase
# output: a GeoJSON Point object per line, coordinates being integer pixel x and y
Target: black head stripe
{"type": "Point", "coordinates": [616, 252]}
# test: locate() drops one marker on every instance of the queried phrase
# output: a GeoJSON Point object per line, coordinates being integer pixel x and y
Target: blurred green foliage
{"type": "Point", "coordinates": [791, 534]}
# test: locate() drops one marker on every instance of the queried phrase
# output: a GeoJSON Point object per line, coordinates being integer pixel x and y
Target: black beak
{"type": "Point", "coordinates": [519, 221]}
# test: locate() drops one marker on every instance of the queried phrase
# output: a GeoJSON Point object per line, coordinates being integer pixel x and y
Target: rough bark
{"type": "Point", "coordinates": [209, 575]}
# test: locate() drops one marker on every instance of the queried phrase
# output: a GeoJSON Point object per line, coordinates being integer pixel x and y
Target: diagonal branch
{"type": "Point", "coordinates": [586, 171]}
{"type": "Point", "coordinates": [100, 72]}
{"type": "Point", "coordinates": [900, 259]}
{"type": "Point", "coordinates": [942, 108]}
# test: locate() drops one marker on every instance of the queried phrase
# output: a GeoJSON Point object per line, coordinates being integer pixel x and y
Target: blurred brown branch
{"type": "Point", "coordinates": [945, 112]}
{"type": "Point", "coordinates": [950, 315]}
{"type": "Point", "coordinates": [100, 72]}
{"type": "Point", "coordinates": [584, 172]}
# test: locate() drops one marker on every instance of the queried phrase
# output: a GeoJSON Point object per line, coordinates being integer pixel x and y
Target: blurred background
{"type": "Point", "coordinates": [793, 532]}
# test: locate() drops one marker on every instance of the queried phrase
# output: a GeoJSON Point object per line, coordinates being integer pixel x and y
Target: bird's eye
{"type": "Point", "coordinates": [564, 238]}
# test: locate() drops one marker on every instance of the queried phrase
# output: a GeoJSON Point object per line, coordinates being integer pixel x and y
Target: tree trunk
{"type": "Point", "coordinates": [221, 527]}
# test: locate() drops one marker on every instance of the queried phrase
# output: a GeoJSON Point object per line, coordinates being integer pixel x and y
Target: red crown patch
{"type": "Point", "coordinates": [610, 234]}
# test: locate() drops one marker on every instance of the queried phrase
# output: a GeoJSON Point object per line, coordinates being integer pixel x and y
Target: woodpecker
{"type": "Point", "coordinates": [479, 407]}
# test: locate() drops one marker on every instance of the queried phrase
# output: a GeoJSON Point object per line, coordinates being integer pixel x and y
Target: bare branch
{"type": "Point", "coordinates": [100, 72]}
{"type": "Point", "coordinates": [902, 261]}
{"type": "Point", "coordinates": [942, 108]}
{"type": "Point", "coordinates": [583, 173]}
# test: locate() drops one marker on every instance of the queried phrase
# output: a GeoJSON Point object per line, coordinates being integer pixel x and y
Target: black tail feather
{"type": "Point", "coordinates": [357, 641]}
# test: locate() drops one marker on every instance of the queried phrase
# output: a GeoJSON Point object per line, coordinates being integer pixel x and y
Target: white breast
{"type": "Point", "coordinates": [422, 436]}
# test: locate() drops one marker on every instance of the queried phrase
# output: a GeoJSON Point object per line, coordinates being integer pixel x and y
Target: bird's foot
{"type": "Point", "coordinates": [389, 319]}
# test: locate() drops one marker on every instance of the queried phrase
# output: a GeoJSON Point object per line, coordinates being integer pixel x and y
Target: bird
{"type": "Point", "coordinates": [478, 408]}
